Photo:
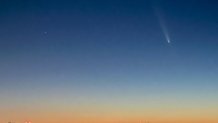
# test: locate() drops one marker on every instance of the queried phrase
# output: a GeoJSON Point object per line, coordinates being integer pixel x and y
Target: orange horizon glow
{"type": "Point", "coordinates": [56, 116]}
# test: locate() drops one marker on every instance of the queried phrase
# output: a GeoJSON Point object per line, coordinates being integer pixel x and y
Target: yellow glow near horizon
{"type": "Point", "coordinates": [98, 114]}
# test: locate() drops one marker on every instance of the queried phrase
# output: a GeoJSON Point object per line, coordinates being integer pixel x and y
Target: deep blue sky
{"type": "Point", "coordinates": [117, 45]}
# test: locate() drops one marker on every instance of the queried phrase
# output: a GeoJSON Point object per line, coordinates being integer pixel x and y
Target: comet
{"type": "Point", "coordinates": [162, 24]}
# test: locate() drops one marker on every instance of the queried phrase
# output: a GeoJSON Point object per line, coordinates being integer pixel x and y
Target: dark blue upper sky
{"type": "Point", "coordinates": [86, 43]}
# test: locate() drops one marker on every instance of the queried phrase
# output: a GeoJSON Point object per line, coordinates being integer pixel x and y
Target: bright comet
{"type": "Point", "coordinates": [162, 25]}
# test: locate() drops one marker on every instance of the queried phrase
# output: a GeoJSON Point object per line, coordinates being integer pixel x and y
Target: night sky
{"type": "Point", "coordinates": [109, 61]}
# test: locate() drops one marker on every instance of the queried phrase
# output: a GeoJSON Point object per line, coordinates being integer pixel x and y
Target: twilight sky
{"type": "Point", "coordinates": [108, 61]}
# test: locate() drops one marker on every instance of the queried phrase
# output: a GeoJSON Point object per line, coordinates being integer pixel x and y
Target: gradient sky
{"type": "Point", "coordinates": [108, 61]}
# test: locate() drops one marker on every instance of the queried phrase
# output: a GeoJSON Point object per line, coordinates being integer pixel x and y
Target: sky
{"type": "Point", "coordinates": [108, 61]}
